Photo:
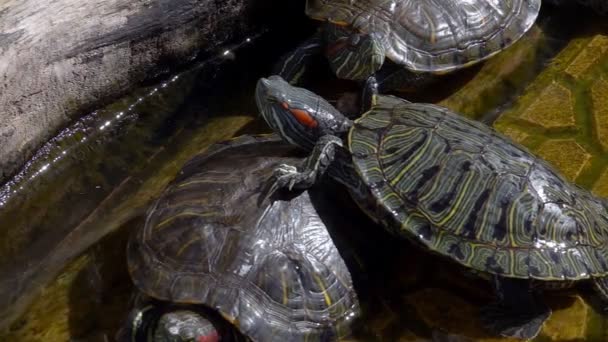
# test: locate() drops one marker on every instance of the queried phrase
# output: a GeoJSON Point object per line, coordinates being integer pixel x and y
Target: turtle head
{"type": "Point", "coordinates": [351, 55]}
{"type": "Point", "coordinates": [185, 326]}
{"type": "Point", "coordinates": [156, 323]}
{"type": "Point", "coordinates": [299, 116]}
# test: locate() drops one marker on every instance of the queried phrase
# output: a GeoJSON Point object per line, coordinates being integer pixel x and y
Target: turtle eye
{"type": "Point", "coordinates": [301, 116]}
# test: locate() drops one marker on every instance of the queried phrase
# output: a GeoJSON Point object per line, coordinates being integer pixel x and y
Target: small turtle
{"type": "Point", "coordinates": [456, 187]}
{"type": "Point", "coordinates": [271, 269]}
{"type": "Point", "coordinates": [418, 36]}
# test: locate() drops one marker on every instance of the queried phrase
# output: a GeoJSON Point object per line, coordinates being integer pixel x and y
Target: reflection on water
{"type": "Point", "coordinates": [71, 138]}
{"type": "Point", "coordinates": [100, 174]}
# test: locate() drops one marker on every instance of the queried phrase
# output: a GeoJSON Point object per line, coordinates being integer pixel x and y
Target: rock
{"type": "Point", "coordinates": [569, 320]}
{"type": "Point", "coordinates": [86, 303]}
{"type": "Point", "coordinates": [60, 59]}
{"type": "Point", "coordinates": [563, 114]}
{"type": "Point", "coordinates": [502, 77]}
{"type": "Point", "coordinates": [567, 155]}
{"type": "Point", "coordinates": [444, 311]}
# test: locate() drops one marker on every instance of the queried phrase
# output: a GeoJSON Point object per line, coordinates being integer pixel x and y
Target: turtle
{"type": "Point", "coordinates": [208, 243]}
{"type": "Point", "coordinates": [453, 186]}
{"type": "Point", "coordinates": [420, 38]}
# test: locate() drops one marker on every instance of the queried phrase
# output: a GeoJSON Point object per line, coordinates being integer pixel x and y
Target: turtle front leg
{"type": "Point", "coordinates": [518, 312]}
{"type": "Point", "coordinates": [313, 168]}
{"type": "Point", "coordinates": [162, 323]}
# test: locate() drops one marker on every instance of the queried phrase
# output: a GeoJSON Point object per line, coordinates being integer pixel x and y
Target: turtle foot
{"type": "Point", "coordinates": [287, 177]}
{"type": "Point", "coordinates": [509, 322]}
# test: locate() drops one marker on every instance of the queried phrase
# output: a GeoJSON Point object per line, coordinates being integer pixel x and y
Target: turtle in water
{"type": "Point", "coordinates": [420, 38]}
{"type": "Point", "coordinates": [454, 186]}
{"type": "Point", "coordinates": [270, 269]}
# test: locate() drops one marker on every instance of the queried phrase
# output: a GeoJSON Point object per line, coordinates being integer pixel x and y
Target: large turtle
{"type": "Point", "coordinates": [271, 269]}
{"type": "Point", "coordinates": [419, 36]}
{"type": "Point", "coordinates": [454, 186]}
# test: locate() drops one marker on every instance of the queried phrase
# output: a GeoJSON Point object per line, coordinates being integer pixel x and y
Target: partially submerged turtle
{"type": "Point", "coordinates": [272, 270]}
{"type": "Point", "coordinates": [454, 186]}
{"type": "Point", "coordinates": [419, 36]}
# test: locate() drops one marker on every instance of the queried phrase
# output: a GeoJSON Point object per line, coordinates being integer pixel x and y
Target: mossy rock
{"type": "Point", "coordinates": [501, 77]}
{"type": "Point", "coordinates": [85, 303]}
{"type": "Point", "coordinates": [451, 314]}
{"type": "Point", "coordinates": [563, 114]}
{"type": "Point", "coordinates": [570, 319]}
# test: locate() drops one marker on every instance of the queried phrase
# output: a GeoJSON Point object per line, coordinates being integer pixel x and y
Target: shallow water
{"type": "Point", "coordinates": [92, 184]}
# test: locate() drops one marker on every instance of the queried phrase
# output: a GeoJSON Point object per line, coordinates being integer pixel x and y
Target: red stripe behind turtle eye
{"type": "Point", "coordinates": [212, 337]}
{"type": "Point", "coordinates": [302, 116]}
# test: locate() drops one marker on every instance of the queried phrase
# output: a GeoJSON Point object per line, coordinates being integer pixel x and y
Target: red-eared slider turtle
{"type": "Point", "coordinates": [456, 187]}
{"type": "Point", "coordinates": [271, 269]}
{"type": "Point", "coordinates": [421, 36]}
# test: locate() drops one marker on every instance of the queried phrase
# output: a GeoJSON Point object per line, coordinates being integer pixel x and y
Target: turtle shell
{"type": "Point", "coordinates": [465, 191]}
{"type": "Point", "coordinates": [272, 270]}
{"type": "Point", "coordinates": [437, 35]}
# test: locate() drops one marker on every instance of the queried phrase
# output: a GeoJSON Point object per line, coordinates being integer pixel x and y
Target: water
{"type": "Point", "coordinates": [75, 203]}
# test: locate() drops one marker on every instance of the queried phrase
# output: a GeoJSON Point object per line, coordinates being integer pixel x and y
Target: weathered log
{"type": "Point", "coordinates": [62, 58]}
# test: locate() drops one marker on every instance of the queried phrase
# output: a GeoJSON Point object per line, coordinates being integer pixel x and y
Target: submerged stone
{"type": "Point", "coordinates": [569, 319]}
{"type": "Point", "coordinates": [567, 155]}
{"type": "Point", "coordinates": [599, 91]}
{"type": "Point", "coordinates": [562, 115]}
{"type": "Point", "coordinates": [451, 313]}
{"type": "Point", "coordinates": [553, 108]}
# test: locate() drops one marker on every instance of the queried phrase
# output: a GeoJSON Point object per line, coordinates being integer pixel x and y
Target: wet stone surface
{"type": "Point", "coordinates": [563, 113]}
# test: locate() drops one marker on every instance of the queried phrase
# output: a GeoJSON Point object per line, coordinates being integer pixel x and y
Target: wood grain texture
{"type": "Point", "coordinates": [61, 58]}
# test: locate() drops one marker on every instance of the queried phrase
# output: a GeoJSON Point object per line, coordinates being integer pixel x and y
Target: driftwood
{"type": "Point", "coordinates": [62, 58]}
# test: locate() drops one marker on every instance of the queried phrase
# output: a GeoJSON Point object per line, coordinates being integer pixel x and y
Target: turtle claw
{"type": "Point", "coordinates": [286, 177]}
